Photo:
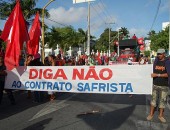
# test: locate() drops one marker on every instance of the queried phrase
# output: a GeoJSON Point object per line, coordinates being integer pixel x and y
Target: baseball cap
{"type": "Point", "coordinates": [37, 56]}
{"type": "Point", "coordinates": [161, 51]}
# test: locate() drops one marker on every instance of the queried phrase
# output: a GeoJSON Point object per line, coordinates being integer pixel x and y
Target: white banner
{"type": "Point", "coordinates": [81, 1]}
{"type": "Point", "coordinates": [122, 79]}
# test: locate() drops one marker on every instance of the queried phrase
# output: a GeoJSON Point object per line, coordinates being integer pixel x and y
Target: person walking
{"type": "Point", "coordinates": [142, 60]}
{"type": "Point", "coordinates": [52, 62]}
{"type": "Point", "coordinates": [3, 73]}
{"type": "Point", "coordinates": [38, 95]}
{"type": "Point", "coordinates": [161, 72]}
{"type": "Point", "coordinates": [27, 62]}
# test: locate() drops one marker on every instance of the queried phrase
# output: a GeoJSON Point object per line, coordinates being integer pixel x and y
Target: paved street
{"type": "Point", "coordinates": [72, 112]}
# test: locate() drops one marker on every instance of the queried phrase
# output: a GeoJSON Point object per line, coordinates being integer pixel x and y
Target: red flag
{"type": "Point", "coordinates": [140, 41]}
{"type": "Point", "coordinates": [14, 33]}
{"type": "Point", "coordinates": [35, 33]}
{"type": "Point", "coordinates": [142, 47]}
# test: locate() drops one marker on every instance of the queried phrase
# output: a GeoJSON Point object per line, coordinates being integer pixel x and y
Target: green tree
{"type": "Point", "coordinates": [82, 35]}
{"type": "Point", "coordinates": [28, 8]}
{"type": "Point", "coordinates": [124, 33]}
{"type": "Point", "coordinates": [147, 53]}
{"type": "Point", "coordinates": [2, 44]}
{"type": "Point", "coordinates": [160, 40]}
{"type": "Point", "coordinates": [151, 33]}
{"type": "Point", "coordinates": [102, 44]}
{"type": "Point", "coordinates": [52, 38]}
{"type": "Point", "coordinates": [65, 37]}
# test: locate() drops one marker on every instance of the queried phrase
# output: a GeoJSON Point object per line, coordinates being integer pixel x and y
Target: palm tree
{"type": "Point", "coordinates": [28, 8]}
{"type": "Point", "coordinates": [124, 32]}
{"type": "Point", "coordinates": [64, 37]}
{"type": "Point", "coordinates": [82, 35]}
{"type": "Point", "coordinates": [52, 38]}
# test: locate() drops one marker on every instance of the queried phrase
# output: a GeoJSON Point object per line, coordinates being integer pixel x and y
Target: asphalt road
{"type": "Point", "coordinates": [81, 112]}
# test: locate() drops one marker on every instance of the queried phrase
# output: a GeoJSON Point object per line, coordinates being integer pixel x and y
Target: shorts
{"type": "Point", "coordinates": [159, 93]}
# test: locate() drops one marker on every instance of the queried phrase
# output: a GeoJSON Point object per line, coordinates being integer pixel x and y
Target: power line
{"type": "Point", "coordinates": [98, 14]}
{"type": "Point", "coordinates": [157, 11]}
{"type": "Point", "coordinates": [106, 13]}
{"type": "Point", "coordinates": [102, 9]}
{"type": "Point", "coordinates": [65, 25]}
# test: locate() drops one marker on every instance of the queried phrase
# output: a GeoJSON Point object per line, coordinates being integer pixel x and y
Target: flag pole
{"type": "Point", "coordinates": [88, 39]}
{"type": "Point", "coordinates": [43, 30]}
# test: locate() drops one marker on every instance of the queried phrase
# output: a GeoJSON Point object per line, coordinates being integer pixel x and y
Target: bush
{"type": "Point", "coordinates": [147, 53]}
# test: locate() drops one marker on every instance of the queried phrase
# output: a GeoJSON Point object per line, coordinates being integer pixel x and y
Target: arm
{"type": "Point", "coordinates": [167, 64]}
{"type": "Point", "coordinates": [25, 63]}
{"type": "Point", "coordinates": [165, 75]}
{"type": "Point", "coordinates": [3, 72]}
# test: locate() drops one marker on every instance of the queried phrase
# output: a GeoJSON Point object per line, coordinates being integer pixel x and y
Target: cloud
{"type": "Point", "coordinates": [165, 6]}
{"type": "Point", "coordinates": [100, 18]}
{"type": "Point", "coordinates": [75, 15]}
{"type": "Point", "coordinates": [96, 9]}
{"type": "Point", "coordinates": [149, 2]}
{"type": "Point", "coordinates": [99, 10]}
{"type": "Point", "coordinates": [70, 16]}
{"type": "Point", "coordinates": [139, 32]}
{"type": "Point", "coordinates": [98, 25]}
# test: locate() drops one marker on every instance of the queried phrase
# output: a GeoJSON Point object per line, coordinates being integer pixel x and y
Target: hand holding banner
{"type": "Point", "coordinates": [122, 79]}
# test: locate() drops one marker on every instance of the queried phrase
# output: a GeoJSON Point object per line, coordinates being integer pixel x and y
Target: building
{"type": "Point", "coordinates": [164, 25]}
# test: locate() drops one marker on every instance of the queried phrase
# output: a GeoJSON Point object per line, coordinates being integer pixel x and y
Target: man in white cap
{"type": "Point", "coordinates": [161, 72]}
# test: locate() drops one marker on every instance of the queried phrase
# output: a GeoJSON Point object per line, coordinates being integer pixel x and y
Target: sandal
{"type": "Point", "coordinates": [162, 119]}
{"type": "Point", "coordinates": [149, 118]}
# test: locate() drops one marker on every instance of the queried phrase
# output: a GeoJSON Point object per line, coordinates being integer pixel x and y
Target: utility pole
{"type": "Point", "coordinates": [43, 30]}
{"type": "Point", "coordinates": [118, 44]}
{"type": "Point", "coordinates": [88, 37]}
{"type": "Point", "coordinates": [109, 39]}
{"type": "Point", "coordinates": [109, 34]}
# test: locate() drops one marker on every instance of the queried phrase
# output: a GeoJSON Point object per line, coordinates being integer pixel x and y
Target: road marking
{"type": "Point", "coordinates": [52, 107]}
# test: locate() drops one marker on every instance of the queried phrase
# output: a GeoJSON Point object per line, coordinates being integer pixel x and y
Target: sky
{"type": "Point", "coordinates": [136, 15]}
